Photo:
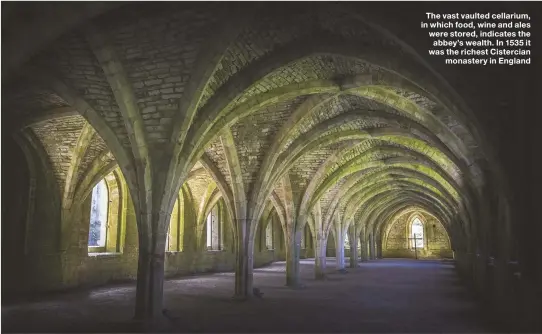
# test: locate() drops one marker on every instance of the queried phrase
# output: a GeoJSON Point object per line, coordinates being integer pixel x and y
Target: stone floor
{"type": "Point", "coordinates": [379, 296]}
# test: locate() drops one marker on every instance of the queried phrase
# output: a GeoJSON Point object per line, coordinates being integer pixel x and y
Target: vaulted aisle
{"type": "Point", "coordinates": [149, 141]}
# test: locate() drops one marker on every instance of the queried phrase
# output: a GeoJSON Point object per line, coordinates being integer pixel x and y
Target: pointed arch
{"type": "Point", "coordinates": [416, 233]}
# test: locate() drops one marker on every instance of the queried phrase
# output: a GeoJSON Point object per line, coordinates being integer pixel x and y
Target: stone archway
{"type": "Point", "coordinates": [15, 205]}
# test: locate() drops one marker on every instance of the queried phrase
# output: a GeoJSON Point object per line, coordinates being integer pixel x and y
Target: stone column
{"type": "Point", "coordinates": [378, 249]}
{"type": "Point", "coordinates": [364, 250]}
{"type": "Point", "coordinates": [339, 247]}
{"type": "Point", "coordinates": [150, 269]}
{"type": "Point", "coordinates": [320, 247]}
{"type": "Point", "coordinates": [293, 248]}
{"type": "Point", "coordinates": [371, 247]}
{"type": "Point", "coordinates": [244, 250]}
{"type": "Point", "coordinates": [71, 253]}
{"type": "Point", "coordinates": [353, 237]}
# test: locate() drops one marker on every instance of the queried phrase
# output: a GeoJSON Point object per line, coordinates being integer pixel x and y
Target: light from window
{"type": "Point", "coordinates": [269, 235]}
{"type": "Point", "coordinates": [98, 216]}
{"type": "Point", "coordinates": [214, 233]}
{"type": "Point", "coordinates": [346, 242]}
{"type": "Point", "coordinates": [210, 230]}
{"type": "Point", "coordinates": [417, 233]}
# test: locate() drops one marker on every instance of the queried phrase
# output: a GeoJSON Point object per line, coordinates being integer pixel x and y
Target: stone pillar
{"type": "Point", "coordinates": [371, 247]}
{"type": "Point", "coordinates": [339, 247]}
{"type": "Point", "coordinates": [320, 245]}
{"type": "Point", "coordinates": [244, 250]}
{"type": "Point", "coordinates": [293, 248]}
{"type": "Point", "coordinates": [70, 239]}
{"type": "Point", "coordinates": [364, 250]}
{"type": "Point", "coordinates": [150, 283]}
{"type": "Point", "coordinates": [66, 227]}
{"type": "Point", "coordinates": [150, 269]}
{"type": "Point", "coordinates": [378, 245]}
{"type": "Point", "coordinates": [353, 237]}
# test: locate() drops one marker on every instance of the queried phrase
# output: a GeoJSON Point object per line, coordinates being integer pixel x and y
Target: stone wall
{"type": "Point", "coordinates": [45, 267]}
{"type": "Point", "coordinates": [396, 243]}
{"type": "Point", "coordinates": [77, 268]}
{"type": "Point", "coordinates": [13, 209]}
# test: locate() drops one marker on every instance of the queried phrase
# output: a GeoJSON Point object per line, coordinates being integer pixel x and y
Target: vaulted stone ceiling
{"type": "Point", "coordinates": [311, 110]}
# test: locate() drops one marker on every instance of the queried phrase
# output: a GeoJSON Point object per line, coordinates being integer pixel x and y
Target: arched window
{"type": "Point", "coordinates": [417, 236]}
{"type": "Point", "coordinates": [107, 219]}
{"type": "Point", "coordinates": [269, 235]}
{"type": "Point", "coordinates": [214, 230]}
{"type": "Point", "coordinates": [98, 216]}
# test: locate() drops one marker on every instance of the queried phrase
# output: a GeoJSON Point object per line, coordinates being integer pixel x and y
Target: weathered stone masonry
{"type": "Point", "coordinates": [323, 122]}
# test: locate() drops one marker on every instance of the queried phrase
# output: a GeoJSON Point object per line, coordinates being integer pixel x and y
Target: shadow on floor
{"type": "Point", "coordinates": [378, 296]}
